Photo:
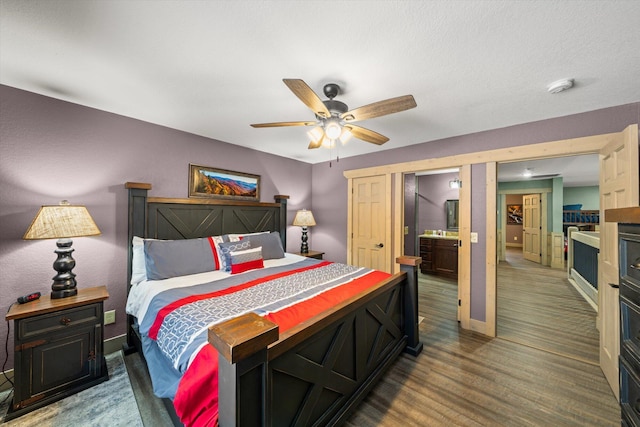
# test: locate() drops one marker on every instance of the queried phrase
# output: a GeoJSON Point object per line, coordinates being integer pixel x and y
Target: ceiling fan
{"type": "Point", "coordinates": [334, 119]}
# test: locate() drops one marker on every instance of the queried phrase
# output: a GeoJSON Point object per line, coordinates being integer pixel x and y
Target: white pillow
{"type": "Point", "coordinates": [138, 264]}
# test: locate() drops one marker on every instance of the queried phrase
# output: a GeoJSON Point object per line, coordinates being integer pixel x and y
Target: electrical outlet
{"type": "Point", "coordinates": [406, 230]}
{"type": "Point", "coordinates": [474, 237]}
{"type": "Point", "coordinates": [109, 317]}
{"type": "Point", "coordinates": [515, 238]}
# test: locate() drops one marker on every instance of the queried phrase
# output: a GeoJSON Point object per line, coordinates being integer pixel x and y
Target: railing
{"type": "Point", "coordinates": [583, 248]}
{"type": "Point", "coordinates": [583, 219]}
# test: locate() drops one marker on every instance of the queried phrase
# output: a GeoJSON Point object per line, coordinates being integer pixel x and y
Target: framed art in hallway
{"type": "Point", "coordinates": [208, 182]}
{"type": "Point", "coordinates": [514, 214]}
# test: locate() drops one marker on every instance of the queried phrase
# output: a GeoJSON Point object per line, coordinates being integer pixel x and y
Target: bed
{"type": "Point", "coordinates": [281, 362]}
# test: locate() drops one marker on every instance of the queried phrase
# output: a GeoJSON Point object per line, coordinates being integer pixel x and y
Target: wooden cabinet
{"type": "Point", "coordinates": [58, 348]}
{"type": "Point", "coordinates": [439, 256]}
{"type": "Point", "coordinates": [629, 361]}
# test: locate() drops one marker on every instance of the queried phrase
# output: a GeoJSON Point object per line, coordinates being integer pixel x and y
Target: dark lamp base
{"type": "Point", "coordinates": [64, 293]}
{"type": "Point", "coordinates": [64, 283]}
{"type": "Point", "coordinates": [304, 247]}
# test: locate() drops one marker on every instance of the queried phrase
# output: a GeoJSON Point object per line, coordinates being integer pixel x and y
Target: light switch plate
{"type": "Point", "coordinates": [474, 237]}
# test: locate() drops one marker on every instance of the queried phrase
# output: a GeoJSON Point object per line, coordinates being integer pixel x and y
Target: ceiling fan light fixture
{"type": "Point", "coordinates": [316, 134]}
{"type": "Point", "coordinates": [346, 135]}
{"type": "Point", "coordinates": [332, 129]}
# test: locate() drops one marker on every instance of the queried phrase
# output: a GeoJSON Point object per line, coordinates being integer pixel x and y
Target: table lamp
{"type": "Point", "coordinates": [62, 222]}
{"type": "Point", "coordinates": [304, 219]}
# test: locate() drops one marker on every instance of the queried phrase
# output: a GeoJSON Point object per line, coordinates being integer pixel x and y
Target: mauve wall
{"type": "Point", "coordinates": [329, 187]}
{"type": "Point", "coordinates": [52, 150]}
{"type": "Point", "coordinates": [433, 192]}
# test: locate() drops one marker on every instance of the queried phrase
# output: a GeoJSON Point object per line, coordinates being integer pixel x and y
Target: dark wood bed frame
{"type": "Point", "coordinates": [313, 374]}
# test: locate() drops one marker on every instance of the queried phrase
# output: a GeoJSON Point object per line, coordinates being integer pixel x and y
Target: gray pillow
{"type": "Point", "coordinates": [271, 244]}
{"type": "Point", "coordinates": [171, 258]}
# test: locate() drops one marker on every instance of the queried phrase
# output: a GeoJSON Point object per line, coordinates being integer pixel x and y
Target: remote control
{"type": "Point", "coordinates": [31, 297]}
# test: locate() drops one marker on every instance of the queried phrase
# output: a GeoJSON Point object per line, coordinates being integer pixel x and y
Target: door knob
{"type": "Point", "coordinates": [380, 245]}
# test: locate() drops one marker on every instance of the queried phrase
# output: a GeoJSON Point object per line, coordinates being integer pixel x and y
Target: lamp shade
{"type": "Point", "coordinates": [60, 222]}
{"type": "Point", "coordinates": [304, 218]}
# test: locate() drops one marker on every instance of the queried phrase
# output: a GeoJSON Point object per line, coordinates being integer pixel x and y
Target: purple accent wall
{"type": "Point", "coordinates": [433, 192]}
{"type": "Point", "coordinates": [52, 150]}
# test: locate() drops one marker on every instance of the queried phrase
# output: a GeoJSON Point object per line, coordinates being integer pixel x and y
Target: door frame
{"type": "Point", "coordinates": [561, 148]}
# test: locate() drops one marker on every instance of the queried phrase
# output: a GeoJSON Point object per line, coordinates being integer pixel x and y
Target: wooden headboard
{"type": "Point", "coordinates": [166, 218]}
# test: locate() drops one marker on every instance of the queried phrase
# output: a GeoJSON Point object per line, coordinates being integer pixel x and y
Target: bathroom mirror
{"type": "Point", "coordinates": [451, 209]}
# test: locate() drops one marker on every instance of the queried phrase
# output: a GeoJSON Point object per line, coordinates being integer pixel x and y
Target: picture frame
{"type": "Point", "coordinates": [514, 214]}
{"type": "Point", "coordinates": [215, 183]}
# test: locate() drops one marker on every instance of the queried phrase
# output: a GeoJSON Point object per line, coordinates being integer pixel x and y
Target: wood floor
{"type": "Point", "coordinates": [537, 306]}
{"type": "Point", "coordinates": [466, 379]}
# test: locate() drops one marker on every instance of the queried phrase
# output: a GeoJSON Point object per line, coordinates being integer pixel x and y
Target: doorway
{"type": "Point", "coordinates": [431, 213]}
{"type": "Point", "coordinates": [537, 306]}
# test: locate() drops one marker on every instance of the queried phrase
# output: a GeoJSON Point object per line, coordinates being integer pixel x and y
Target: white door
{"type": "Point", "coordinates": [531, 231]}
{"type": "Point", "coordinates": [371, 220]}
{"type": "Point", "coordinates": [618, 189]}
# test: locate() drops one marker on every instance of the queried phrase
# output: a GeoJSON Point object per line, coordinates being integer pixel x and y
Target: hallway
{"type": "Point", "coordinates": [538, 307]}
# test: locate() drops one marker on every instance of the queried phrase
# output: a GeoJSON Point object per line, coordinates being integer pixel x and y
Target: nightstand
{"type": "Point", "coordinates": [311, 254]}
{"type": "Point", "coordinates": [58, 348]}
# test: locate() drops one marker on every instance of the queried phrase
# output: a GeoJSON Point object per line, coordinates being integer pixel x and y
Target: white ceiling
{"type": "Point", "coordinates": [575, 171]}
{"type": "Point", "coordinates": [213, 67]}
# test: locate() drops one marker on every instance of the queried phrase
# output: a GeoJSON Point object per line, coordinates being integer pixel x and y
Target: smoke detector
{"type": "Point", "coordinates": [560, 86]}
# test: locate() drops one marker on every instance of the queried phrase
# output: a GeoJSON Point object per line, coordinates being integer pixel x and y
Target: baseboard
{"type": "Point", "coordinates": [513, 245]}
{"type": "Point", "coordinates": [4, 384]}
{"type": "Point", "coordinates": [111, 345]}
{"type": "Point", "coordinates": [114, 344]}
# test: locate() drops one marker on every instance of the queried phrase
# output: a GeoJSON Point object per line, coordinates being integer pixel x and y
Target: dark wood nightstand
{"type": "Point", "coordinates": [311, 254]}
{"type": "Point", "coordinates": [58, 348]}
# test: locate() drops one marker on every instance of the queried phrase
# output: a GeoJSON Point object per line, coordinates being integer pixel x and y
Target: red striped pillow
{"type": "Point", "coordinates": [244, 260]}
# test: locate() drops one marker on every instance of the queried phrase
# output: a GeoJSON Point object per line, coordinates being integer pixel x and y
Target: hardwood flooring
{"type": "Point", "coordinates": [538, 307]}
{"type": "Point", "coordinates": [466, 379]}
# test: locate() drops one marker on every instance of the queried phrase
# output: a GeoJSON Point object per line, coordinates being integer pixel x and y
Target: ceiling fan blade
{"type": "Point", "coordinates": [367, 135]}
{"type": "Point", "coordinates": [308, 96]}
{"type": "Point", "coordinates": [280, 124]}
{"type": "Point", "coordinates": [380, 108]}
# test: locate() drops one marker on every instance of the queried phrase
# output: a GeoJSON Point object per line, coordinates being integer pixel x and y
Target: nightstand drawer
{"type": "Point", "coordinates": [60, 320]}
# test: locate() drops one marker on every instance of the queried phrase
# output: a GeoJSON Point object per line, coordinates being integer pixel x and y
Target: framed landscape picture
{"type": "Point", "coordinates": [210, 182]}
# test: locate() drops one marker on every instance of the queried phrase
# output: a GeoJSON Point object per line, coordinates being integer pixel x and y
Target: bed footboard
{"type": "Point", "coordinates": [317, 372]}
